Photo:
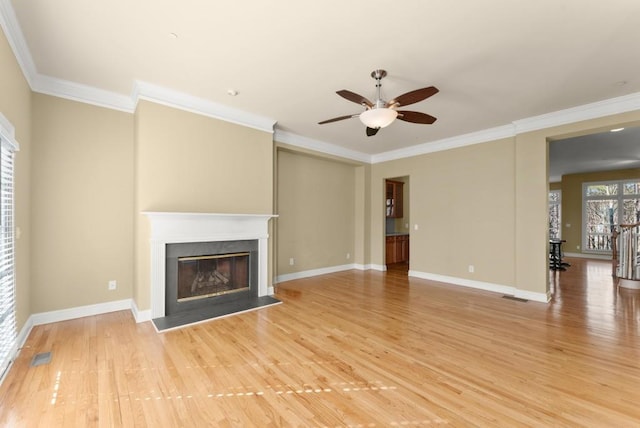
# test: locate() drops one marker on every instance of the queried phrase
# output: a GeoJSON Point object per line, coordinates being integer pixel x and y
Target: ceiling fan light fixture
{"type": "Point", "coordinates": [378, 117]}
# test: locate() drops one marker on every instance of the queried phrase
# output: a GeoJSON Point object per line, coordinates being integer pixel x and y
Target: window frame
{"type": "Point", "coordinates": [619, 198]}
{"type": "Point", "coordinates": [8, 343]}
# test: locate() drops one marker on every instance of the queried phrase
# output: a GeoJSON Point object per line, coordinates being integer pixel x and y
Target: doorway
{"type": "Point", "coordinates": [397, 215]}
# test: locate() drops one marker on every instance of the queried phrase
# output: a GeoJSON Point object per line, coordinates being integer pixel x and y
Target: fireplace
{"type": "Point", "coordinates": [200, 274]}
{"type": "Point", "coordinates": [215, 237]}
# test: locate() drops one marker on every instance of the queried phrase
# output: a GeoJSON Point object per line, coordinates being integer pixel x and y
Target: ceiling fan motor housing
{"type": "Point", "coordinates": [378, 74]}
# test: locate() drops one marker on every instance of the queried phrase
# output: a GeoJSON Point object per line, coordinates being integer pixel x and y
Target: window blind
{"type": "Point", "coordinates": [8, 332]}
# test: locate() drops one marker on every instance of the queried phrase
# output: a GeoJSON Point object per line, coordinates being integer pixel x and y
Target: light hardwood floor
{"type": "Point", "coordinates": [359, 349]}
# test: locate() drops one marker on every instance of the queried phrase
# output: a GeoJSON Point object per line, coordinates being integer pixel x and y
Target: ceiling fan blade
{"type": "Point", "coordinates": [352, 96]}
{"type": "Point", "coordinates": [335, 119]}
{"type": "Point", "coordinates": [372, 131]}
{"type": "Point", "coordinates": [416, 117]}
{"type": "Point", "coordinates": [413, 96]}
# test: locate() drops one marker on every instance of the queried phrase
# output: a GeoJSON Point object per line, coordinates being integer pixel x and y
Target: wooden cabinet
{"type": "Point", "coordinates": [390, 250]}
{"type": "Point", "coordinates": [394, 199]}
{"type": "Point", "coordinates": [397, 249]}
{"type": "Point", "coordinates": [402, 248]}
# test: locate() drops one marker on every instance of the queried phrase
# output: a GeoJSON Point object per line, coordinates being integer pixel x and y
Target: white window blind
{"type": "Point", "coordinates": [8, 332]}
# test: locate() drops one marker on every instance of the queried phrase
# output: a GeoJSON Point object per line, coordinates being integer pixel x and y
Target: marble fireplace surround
{"type": "Point", "coordinates": [182, 227]}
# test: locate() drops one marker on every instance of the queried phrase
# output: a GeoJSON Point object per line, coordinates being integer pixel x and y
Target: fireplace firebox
{"type": "Point", "coordinates": [200, 277]}
{"type": "Point", "coordinates": [201, 274]}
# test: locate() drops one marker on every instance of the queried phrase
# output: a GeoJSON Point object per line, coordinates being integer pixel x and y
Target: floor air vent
{"type": "Point", "coordinates": [40, 359]}
{"type": "Point", "coordinates": [518, 299]}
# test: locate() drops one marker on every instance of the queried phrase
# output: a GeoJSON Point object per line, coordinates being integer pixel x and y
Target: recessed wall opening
{"type": "Point", "coordinates": [397, 224]}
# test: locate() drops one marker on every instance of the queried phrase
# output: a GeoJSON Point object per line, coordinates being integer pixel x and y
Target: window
{"type": "Point", "coordinates": [555, 214]}
{"type": "Point", "coordinates": [606, 205]}
{"type": "Point", "coordinates": [8, 333]}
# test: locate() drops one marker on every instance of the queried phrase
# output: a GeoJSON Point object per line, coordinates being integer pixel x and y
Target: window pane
{"type": "Point", "coordinates": [602, 215]}
{"type": "Point", "coordinates": [631, 188]}
{"type": "Point", "coordinates": [554, 221]}
{"type": "Point", "coordinates": [602, 189]}
{"type": "Point", "coordinates": [631, 211]}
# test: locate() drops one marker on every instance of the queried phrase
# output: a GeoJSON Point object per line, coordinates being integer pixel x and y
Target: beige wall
{"type": "Point", "coordinates": [362, 222]}
{"type": "Point", "coordinates": [531, 240]}
{"type": "Point", "coordinates": [317, 212]}
{"type": "Point", "coordinates": [463, 203]}
{"type": "Point", "coordinates": [571, 187]}
{"type": "Point", "coordinates": [191, 163]}
{"type": "Point", "coordinates": [82, 201]}
{"type": "Point", "coordinates": [15, 105]}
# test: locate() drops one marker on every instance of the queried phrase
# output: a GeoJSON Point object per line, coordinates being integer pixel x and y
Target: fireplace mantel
{"type": "Point", "coordinates": [181, 227]}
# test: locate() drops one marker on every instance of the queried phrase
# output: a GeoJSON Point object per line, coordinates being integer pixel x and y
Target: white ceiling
{"type": "Point", "coordinates": [596, 152]}
{"type": "Point", "coordinates": [495, 61]}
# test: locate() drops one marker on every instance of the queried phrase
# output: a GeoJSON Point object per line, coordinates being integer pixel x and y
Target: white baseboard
{"type": "Point", "coordinates": [24, 332]}
{"type": "Point", "coordinates": [312, 272]}
{"type": "Point", "coordinates": [145, 315]}
{"type": "Point", "coordinates": [80, 311]}
{"type": "Point", "coordinates": [140, 316]}
{"type": "Point", "coordinates": [530, 295]}
{"type": "Point", "coordinates": [486, 286]}
{"type": "Point", "coordinates": [359, 266]}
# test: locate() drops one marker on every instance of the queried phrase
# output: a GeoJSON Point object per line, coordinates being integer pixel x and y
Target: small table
{"type": "Point", "coordinates": [555, 255]}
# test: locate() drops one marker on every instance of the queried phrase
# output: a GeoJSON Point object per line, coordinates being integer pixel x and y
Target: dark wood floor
{"type": "Point", "coordinates": [358, 349]}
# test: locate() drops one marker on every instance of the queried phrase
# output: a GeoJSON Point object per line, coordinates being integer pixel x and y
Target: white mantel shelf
{"type": "Point", "coordinates": [182, 227]}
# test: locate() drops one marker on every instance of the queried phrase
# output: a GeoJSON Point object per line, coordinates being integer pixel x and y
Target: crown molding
{"type": "Point", "coordinates": [611, 106]}
{"type": "Point", "coordinates": [102, 98]}
{"type": "Point", "coordinates": [161, 95]}
{"type": "Point", "coordinates": [472, 138]}
{"type": "Point", "coordinates": [320, 146]}
{"type": "Point", "coordinates": [589, 111]}
{"type": "Point", "coordinates": [13, 32]}
{"type": "Point", "coordinates": [82, 93]}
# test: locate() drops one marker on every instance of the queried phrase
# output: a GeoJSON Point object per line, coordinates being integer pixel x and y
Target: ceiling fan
{"type": "Point", "coordinates": [381, 113]}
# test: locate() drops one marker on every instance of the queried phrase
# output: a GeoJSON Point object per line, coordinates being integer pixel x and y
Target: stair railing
{"type": "Point", "coordinates": [626, 252]}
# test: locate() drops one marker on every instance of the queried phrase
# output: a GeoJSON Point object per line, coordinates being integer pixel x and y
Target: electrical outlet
{"type": "Point", "coordinates": [472, 269]}
{"type": "Point", "coordinates": [113, 284]}
{"type": "Point", "coordinates": [348, 256]}
{"type": "Point", "coordinates": [415, 227]}
{"type": "Point", "coordinates": [291, 261]}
